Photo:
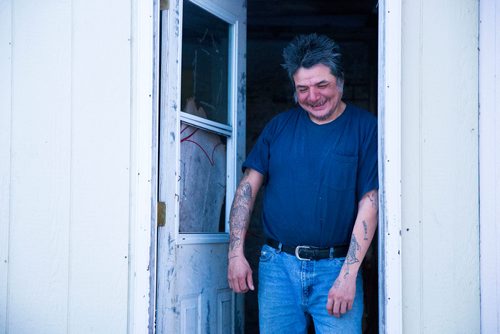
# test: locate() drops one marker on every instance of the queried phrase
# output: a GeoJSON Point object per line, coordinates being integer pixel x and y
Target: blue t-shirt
{"type": "Point", "coordinates": [315, 175]}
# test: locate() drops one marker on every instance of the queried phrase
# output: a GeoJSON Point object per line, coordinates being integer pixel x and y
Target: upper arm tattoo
{"type": "Point", "coordinates": [373, 197]}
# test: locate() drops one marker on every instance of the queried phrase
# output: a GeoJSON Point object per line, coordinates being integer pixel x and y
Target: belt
{"type": "Point", "coordinates": [307, 253]}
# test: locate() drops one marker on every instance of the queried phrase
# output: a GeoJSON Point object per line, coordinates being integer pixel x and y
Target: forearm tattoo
{"type": "Point", "coordinates": [351, 257]}
{"type": "Point", "coordinates": [365, 227]}
{"type": "Point", "coordinates": [240, 214]}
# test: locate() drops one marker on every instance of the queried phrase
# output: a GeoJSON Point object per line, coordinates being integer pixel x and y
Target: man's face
{"type": "Point", "coordinates": [317, 93]}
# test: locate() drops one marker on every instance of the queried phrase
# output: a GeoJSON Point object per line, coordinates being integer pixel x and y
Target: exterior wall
{"type": "Point", "coordinates": [489, 126]}
{"type": "Point", "coordinates": [440, 218]}
{"type": "Point", "coordinates": [69, 201]}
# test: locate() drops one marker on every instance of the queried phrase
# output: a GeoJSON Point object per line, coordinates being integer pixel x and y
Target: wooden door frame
{"type": "Point", "coordinates": [142, 163]}
{"type": "Point", "coordinates": [389, 120]}
{"type": "Point", "coordinates": [390, 284]}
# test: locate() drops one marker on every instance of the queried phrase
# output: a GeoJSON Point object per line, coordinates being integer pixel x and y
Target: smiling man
{"type": "Point", "coordinates": [318, 162]}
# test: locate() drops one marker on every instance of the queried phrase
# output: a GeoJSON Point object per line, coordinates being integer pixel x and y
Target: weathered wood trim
{"type": "Point", "coordinates": [142, 245]}
{"type": "Point", "coordinates": [390, 286]}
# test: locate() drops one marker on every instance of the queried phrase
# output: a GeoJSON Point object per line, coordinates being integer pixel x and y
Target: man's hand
{"type": "Point", "coordinates": [239, 274]}
{"type": "Point", "coordinates": [341, 295]}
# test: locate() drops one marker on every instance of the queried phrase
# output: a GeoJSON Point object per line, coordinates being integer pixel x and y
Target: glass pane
{"type": "Point", "coordinates": [205, 45]}
{"type": "Point", "coordinates": [203, 181]}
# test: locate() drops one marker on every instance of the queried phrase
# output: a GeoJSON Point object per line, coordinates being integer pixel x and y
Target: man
{"type": "Point", "coordinates": [319, 164]}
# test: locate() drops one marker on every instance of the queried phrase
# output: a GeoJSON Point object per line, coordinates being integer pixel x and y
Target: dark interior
{"type": "Point", "coordinates": [271, 25]}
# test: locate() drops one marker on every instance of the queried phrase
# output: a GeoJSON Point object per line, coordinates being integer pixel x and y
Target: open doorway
{"type": "Point", "coordinates": [271, 25]}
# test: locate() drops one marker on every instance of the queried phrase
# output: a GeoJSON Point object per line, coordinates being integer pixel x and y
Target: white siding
{"type": "Point", "coordinates": [69, 207]}
{"type": "Point", "coordinates": [489, 126]}
{"type": "Point", "coordinates": [5, 118]}
{"type": "Point", "coordinates": [40, 167]}
{"type": "Point", "coordinates": [440, 223]}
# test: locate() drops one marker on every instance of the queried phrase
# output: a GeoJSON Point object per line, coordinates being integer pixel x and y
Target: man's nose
{"type": "Point", "coordinates": [313, 94]}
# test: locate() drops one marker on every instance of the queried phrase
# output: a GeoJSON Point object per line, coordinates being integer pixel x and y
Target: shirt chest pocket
{"type": "Point", "coordinates": [340, 171]}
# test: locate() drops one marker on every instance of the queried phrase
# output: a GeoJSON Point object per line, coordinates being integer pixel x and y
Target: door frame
{"type": "Point", "coordinates": [142, 307]}
{"type": "Point", "coordinates": [142, 231]}
{"type": "Point", "coordinates": [389, 122]}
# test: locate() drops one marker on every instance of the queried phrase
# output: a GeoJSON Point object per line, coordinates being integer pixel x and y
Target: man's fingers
{"type": "Point", "coordinates": [343, 308]}
{"type": "Point", "coordinates": [329, 306]}
{"type": "Point", "coordinates": [349, 305]}
{"type": "Point", "coordinates": [250, 281]}
{"type": "Point", "coordinates": [242, 282]}
{"type": "Point", "coordinates": [336, 308]}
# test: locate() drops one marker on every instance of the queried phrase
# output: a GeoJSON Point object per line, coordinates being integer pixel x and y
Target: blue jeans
{"type": "Point", "coordinates": [291, 289]}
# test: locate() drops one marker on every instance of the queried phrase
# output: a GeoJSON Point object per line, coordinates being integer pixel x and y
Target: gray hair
{"type": "Point", "coordinates": [309, 50]}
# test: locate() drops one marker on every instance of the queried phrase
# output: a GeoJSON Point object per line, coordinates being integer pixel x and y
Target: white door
{"type": "Point", "coordinates": [202, 120]}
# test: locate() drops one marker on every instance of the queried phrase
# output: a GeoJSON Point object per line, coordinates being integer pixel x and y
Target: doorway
{"type": "Point", "coordinates": [271, 24]}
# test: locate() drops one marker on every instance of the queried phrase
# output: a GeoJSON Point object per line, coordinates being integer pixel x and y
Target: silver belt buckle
{"type": "Point", "coordinates": [297, 252]}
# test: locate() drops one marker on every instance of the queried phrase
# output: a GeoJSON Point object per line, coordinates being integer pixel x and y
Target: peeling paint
{"type": "Point", "coordinates": [242, 91]}
{"type": "Point", "coordinates": [207, 321]}
{"type": "Point", "coordinates": [177, 18]}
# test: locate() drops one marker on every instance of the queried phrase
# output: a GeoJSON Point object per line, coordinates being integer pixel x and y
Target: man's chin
{"type": "Point", "coordinates": [318, 116]}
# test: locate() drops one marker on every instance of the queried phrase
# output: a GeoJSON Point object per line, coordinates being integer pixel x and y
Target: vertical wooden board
{"type": "Point", "coordinates": [411, 130]}
{"type": "Point", "coordinates": [450, 167]}
{"type": "Point", "coordinates": [142, 227]}
{"type": "Point", "coordinates": [100, 162]}
{"type": "Point", "coordinates": [390, 164]}
{"type": "Point", "coordinates": [167, 187]}
{"type": "Point", "coordinates": [5, 117]}
{"type": "Point", "coordinates": [489, 123]}
{"type": "Point", "coordinates": [40, 173]}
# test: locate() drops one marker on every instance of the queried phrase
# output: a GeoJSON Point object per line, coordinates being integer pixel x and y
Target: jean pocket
{"type": "Point", "coordinates": [266, 253]}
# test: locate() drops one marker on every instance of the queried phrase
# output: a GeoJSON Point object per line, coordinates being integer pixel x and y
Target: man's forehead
{"type": "Point", "coordinates": [313, 81]}
{"type": "Point", "coordinates": [313, 75]}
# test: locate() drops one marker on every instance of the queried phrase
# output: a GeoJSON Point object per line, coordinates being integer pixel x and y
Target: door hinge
{"type": "Point", "coordinates": [164, 4]}
{"type": "Point", "coordinates": [161, 211]}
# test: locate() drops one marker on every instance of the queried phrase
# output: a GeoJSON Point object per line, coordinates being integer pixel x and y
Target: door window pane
{"type": "Point", "coordinates": [203, 180]}
{"type": "Point", "coordinates": [205, 48]}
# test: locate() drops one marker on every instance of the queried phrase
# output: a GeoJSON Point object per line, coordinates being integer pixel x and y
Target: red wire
{"type": "Point", "coordinates": [186, 139]}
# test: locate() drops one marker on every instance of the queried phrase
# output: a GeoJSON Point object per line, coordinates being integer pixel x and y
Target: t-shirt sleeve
{"type": "Point", "coordinates": [368, 162]}
{"type": "Point", "coordinates": [258, 159]}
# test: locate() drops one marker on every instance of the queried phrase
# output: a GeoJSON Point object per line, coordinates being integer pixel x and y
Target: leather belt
{"type": "Point", "coordinates": [306, 253]}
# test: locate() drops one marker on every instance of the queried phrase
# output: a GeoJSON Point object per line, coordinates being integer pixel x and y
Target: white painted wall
{"type": "Point", "coordinates": [440, 208]}
{"type": "Point", "coordinates": [75, 191]}
{"type": "Point", "coordinates": [489, 126]}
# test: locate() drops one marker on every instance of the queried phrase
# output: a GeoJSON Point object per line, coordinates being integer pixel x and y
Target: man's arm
{"type": "Point", "coordinates": [239, 274]}
{"type": "Point", "coordinates": [343, 290]}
